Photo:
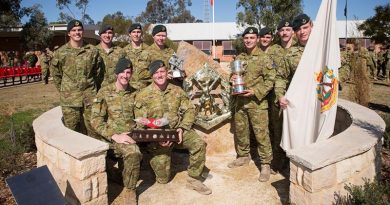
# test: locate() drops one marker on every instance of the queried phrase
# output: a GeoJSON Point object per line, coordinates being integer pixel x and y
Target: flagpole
{"type": "Point", "coordinates": [214, 56]}
{"type": "Point", "coordinates": [346, 23]}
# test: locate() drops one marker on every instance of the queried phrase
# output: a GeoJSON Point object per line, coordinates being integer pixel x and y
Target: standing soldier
{"type": "Point", "coordinates": [302, 26]}
{"type": "Point", "coordinates": [76, 72]}
{"type": "Point", "coordinates": [163, 99]}
{"type": "Point", "coordinates": [133, 51]}
{"type": "Point", "coordinates": [278, 53]}
{"type": "Point", "coordinates": [109, 53]}
{"type": "Point", "coordinates": [250, 109]}
{"type": "Point", "coordinates": [45, 59]}
{"type": "Point", "coordinates": [371, 62]}
{"type": "Point", "coordinates": [265, 39]}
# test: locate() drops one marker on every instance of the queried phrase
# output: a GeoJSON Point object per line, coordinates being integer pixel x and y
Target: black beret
{"type": "Point", "coordinates": [104, 28]}
{"type": "Point", "coordinates": [158, 29]}
{"type": "Point", "coordinates": [123, 64]}
{"type": "Point", "coordinates": [300, 20]}
{"type": "Point", "coordinates": [135, 26]}
{"type": "Point", "coordinates": [73, 23]}
{"type": "Point", "coordinates": [250, 30]}
{"type": "Point", "coordinates": [284, 23]}
{"type": "Point", "coordinates": [265, 31]}
{"type": "Point", "coordinates": [155, 65]}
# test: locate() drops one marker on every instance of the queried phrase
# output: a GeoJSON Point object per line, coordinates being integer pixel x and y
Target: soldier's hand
{"type": "Point", "coordinates": [165, 144]}
{"type": "Point", "coordinates": [283, 102]}
{"type": "Point", "coordinates": [123, 138]}
{"type": "Point", "coordinates": [248, 93]}
{"type": "Point", "coordinates": [180, 133]}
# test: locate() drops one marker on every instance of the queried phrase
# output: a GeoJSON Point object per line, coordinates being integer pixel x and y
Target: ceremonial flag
{"type": "Point", "coordinates": [313, 92]}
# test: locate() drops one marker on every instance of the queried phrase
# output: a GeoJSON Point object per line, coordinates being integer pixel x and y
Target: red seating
{"type": "Point", "coordinates": [21, 73]}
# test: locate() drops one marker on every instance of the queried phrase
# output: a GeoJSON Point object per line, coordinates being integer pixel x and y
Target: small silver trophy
{"type": "Point", "coordinates": [176, 66]}
{"type": "Point", "coordinates": [238, 83]}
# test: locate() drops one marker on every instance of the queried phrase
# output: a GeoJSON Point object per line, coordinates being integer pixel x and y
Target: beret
{"type": "Point", "coordinates": [104, 28]}
{"type": "Point", "coordinates": [73, 23]}
{"type": "Point", "coordinates": [123, 64]}
{"type": "Point", "coordinates": [250, 30]}
{"type": "Point", "coordinates": [265, 31]}
{"type": "Point", "coordinates": [155, 65]}
{"type": "Point", "coordinates": [284, 23]}
{"type": "Point", "coordinates": [158, 29]}
{"type": "Point", "coordinates": [134, 26]}
{"type": "Point", "coordinates": [300, 20]}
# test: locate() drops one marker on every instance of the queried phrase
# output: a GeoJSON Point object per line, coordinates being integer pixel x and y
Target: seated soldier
{"type": "Point", "coordinates": [112, 117]}
{"type": "Point", "coordinates": [162, 99]}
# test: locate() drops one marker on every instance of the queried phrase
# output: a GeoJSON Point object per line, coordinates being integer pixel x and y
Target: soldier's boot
{"type": "Point", "coordinates": [240, 161]}
{"type": "Point", "coordinates": [197, 185]}
{"type": "Point", "coordinates": [265, 173]}
{"type": "Point", "coordinates": [129, 197]}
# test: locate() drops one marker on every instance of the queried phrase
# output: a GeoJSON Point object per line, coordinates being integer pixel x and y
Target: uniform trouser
{"type": "Point", "coordinates": [276, 128]}
{"type": "Point", "coordinates": [244, 118]}
{"type": "Point", "coordinates": [78, 119]}
{"type": "Point", "coordinates": [160, 162]}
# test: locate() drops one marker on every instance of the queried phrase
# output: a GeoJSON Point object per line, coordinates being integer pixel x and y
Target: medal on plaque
{"type": "Point", "coordinates": [154, 133]}
{"type": "Point", "coordinates": [238, 83]}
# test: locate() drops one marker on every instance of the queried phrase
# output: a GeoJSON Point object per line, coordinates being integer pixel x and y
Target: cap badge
{"type": "Point", "coordinates": [251, 31]}
{"type": "Point", "coordinates": [286, 24]}
{"type": "Point", "coordinates": [163, 29]}
{"type": "Point", "coordinates": [76, 23]}
{"type": "Point", "coordinates": [304, 21]}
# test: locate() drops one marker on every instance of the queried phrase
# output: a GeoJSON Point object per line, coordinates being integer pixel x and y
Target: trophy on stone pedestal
{"type": "Point", "coordinates": [176, 66]}
{"type": "Point", "coordinates": [238, 82]}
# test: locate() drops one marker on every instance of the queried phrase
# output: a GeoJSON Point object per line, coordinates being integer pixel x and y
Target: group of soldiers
{"type": "Point", "coordinates": [104, 89]}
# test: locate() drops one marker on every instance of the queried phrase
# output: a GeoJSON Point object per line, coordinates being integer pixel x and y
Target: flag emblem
{"type": "Point", "coordinates": [327, 88]}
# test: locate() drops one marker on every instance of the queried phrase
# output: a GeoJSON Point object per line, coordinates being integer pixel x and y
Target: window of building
{"type": "Point", "coordinates": [204, 46]}
{"type": "Point", "coordinates": [228, 49]}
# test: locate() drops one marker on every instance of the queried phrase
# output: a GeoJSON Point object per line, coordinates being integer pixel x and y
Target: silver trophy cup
{"type": "Point", "coordinates": [238, 83]}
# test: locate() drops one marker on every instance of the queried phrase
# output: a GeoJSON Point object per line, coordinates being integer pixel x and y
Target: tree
{"type": "Point", "coordinates": [166, 11]}
{"type": "Point", "coordinates": [11, 13]}
{"type": "Point", "coordinates": [35, 34]}
{"type": "Point", "coordinates": [378, 26]}
{"type": "Point", "coordinates": [117, 20]}
{"type": "Point", "coordinates": [82, 5]}
{"type": "Point", "coordinates": [267, 12]}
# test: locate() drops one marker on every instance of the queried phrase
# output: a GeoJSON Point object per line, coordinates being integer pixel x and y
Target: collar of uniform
{"type": "Point", "coordinates": [155, 47]}
{"type": "Point", "coordinates": [126, 91]}
{"type": "Point", "coordinates": [256, 51]}
{"type": "Point", "coordinates": [153, 87]}
{"type": "Point", "coordinates": [99, 46]}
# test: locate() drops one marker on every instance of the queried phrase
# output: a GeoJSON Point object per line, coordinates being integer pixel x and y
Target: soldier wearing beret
{"type": "Point", "coordinates": [109, 53]}
{"type": "Point", "coordinates": [266, 38]}
{"type": "Point", "coordinates": [163, 99]}
{"type": "Point", "coordinates": [250, 108]}
{"type": "Point", "coordinates": [77, 74]}
{"type": "Point", "coordinates": [278, 53]}
{"type": "Point", "coordinates": [302, 26]}
{"type": "Point", "coordinates": [133, 51]}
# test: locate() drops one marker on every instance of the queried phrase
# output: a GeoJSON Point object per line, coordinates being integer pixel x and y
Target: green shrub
{"type": "Point", "coordinates": [371, 193]}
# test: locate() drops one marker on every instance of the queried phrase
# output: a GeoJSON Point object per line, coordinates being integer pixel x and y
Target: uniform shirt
{"type": "Point", "coordinates": [112, 111]}
{"type": "Point", "coordinates": [278, 55]}
{"type": "Point", "coordinates": [110, 59]}
{"type": "Point", "coordinates": [259, 76]}
{"type": "Point", "coordinates": [140, 77]}
{"type": "Point", "coordinates": [77, 74]}
{"type": "Point", "coordinates": [172, 103]}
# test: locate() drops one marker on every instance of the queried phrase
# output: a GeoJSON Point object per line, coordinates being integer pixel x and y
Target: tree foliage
{"type": "Point", "coordinates": [378, 26]}
{"type": "Point", "coordinates": [35, 34]}
{"type": "Point", "coordinates": [11, 13]}
{"type": "Point", "coordinates": [267, 12]}
{"type": "Point", "coordinates": [166, 11]}
{"type": "Point", "coordinates": [82, 5]}
{"type": "Point", "coordinates": [117, 20]}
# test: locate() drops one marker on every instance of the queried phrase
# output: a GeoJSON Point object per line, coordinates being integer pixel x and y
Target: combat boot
{"type": "Point", "coordinates": [240, 161]}
{"type": "Point", "coordinates": [129, 197]}
{"type": "Point", "coordinates": [197, 185]}
{"type": "Point", "coordinates": [265, 173]}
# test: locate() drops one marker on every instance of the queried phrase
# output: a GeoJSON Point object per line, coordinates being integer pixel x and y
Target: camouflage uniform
{"type": "Point", "coordinates": [259, 75]}
{"type": "Point", "coordinates": [173, 103]}
{"type": "Point", "coordinates": [381, 63]}
{"type": "Point", "coordinates": [77, 75]}
{"type": "Point", "coordinates": [140, 77]}
{"type": "Point", "coordinates": [45, 59]}
{"type": "Point", "coordinates": [110, 59]}
{"type": "Point", "coordinates": [371, 63]}
{"type": "Point", "coordinates": [277, 53]}
{"type": "Point", "coordinates": [345, 69]}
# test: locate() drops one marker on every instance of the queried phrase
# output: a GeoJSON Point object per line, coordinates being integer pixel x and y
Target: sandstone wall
{"type": "Point", "coordinates": [77, 162]}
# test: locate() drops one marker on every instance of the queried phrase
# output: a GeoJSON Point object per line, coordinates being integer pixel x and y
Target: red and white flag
{"type": "Point", "coordinates": [313, 92]}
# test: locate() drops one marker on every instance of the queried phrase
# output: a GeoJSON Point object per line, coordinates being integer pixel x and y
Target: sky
{"type": "Point", "coordinates": [225, 10]}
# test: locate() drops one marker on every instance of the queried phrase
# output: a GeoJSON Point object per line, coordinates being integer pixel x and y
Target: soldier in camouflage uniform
{"type": "Point", "coordinates": [250, 108]}
{"type": "Point", "coordinates": [109, 53]}
{"type": "Point", "coordinates": [45, 59]}
{"type": "Point", "coordinates": [266, 38]}
{"type": "Point", "coordinates": [77, 75]}
{"type": "Point", "coordinates": [163, 99]}
{"type": "Point", "coordinates": [345, 69]}
{"type": "Point", "coordinates": [371, 62]}
{"type": "Point", "coordinates": [302, 26]}
{"type": "Point", "coordinates": [141, 77]}
{"type": "Point", "coordinates": [278, 53]}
